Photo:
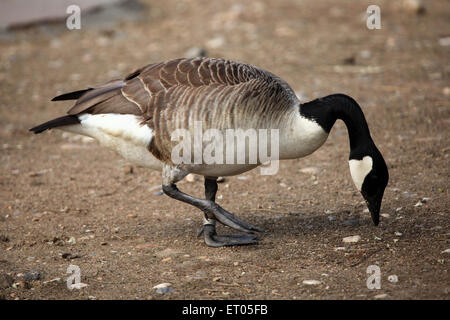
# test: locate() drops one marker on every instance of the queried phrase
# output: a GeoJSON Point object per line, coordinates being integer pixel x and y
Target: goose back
{"type": "Point", "coordinates": [174, 94]}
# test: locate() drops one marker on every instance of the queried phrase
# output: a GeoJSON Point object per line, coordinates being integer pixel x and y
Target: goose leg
{"type": "Point", "coordinates": [212, 239]}
{"type": "Point", "coordinates": [211, 209]}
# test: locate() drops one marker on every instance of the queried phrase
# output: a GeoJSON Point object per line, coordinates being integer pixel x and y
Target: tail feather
{"type": "Point", "coordinates": [71, 95]}
{"type": "Point", "coordinates": [58, 122]}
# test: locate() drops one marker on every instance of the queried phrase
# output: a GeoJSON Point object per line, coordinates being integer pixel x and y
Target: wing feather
{"type": "Point", "coordinates": [177, 92]}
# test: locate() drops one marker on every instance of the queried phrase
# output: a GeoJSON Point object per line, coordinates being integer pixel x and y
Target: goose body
{"type": "Point", "coordinates": [138, 115]}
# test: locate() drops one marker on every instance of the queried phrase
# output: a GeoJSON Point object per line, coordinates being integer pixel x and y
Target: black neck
{"type": "Point", "coordinates": [325, 111]}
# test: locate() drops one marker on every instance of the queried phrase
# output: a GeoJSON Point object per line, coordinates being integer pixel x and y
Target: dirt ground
{"type": "Point", "coordinates": [67, 201]}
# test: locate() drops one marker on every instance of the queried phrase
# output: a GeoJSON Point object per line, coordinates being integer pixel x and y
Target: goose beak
{"type": "Point", "coordinates": [374, 205]}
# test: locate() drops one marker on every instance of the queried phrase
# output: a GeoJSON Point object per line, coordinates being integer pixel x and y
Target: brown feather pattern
{"type": "Point", "coordinates": [223, 94]}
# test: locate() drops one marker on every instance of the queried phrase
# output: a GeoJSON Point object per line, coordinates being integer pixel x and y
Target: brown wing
{"type": "Point", "coordinates": [175, 93]}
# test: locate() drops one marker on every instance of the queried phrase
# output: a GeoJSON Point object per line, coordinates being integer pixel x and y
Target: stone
{"type": "Point", "coordinates": [311, 282]}
{"type": "Point", "coordinates": [163, 288]}
{"type": "Point", "coordinates": [393, 278]}
{"type": "Point", "coordinates": [310, 170]}
{"type": "Point", "coordinates": [32, 275]}
{"type": "Point", "coordinates": [351, 239]}
{"type": "Point", "coordinates": [78, 286]}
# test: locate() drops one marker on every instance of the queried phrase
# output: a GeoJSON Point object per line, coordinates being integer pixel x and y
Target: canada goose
{"type": "Point", "coordinates": [136, 116]}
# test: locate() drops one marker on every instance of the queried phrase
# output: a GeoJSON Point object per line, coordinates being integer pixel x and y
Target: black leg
{"type": "Point", "coordinates": [211, 209]}
{"type": "Point", "coordinates": [208, 230]}
{"type": "Point", "coordinates": [210, 189]}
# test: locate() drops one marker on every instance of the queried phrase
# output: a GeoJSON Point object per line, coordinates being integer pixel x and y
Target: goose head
{"type": "Point", "coordinates": [370, 175]}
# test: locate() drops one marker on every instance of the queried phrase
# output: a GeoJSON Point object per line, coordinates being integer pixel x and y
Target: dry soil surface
{"type": "Point", "coordinates": [67, 201]}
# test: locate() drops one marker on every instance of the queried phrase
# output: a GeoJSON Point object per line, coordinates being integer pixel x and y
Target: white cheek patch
{"type": "Point", "coordinates": [359, 170]}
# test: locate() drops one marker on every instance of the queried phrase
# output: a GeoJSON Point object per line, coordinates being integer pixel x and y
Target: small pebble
{"type": "Point", "coordinates": [418, 204]}
{"type": "Point", "coordinates": [53, 280]}
{"type": "Point", "coordinates": [446, 251]}
{"type": "Point", "coordinates": [351, 222]}
{"type": "Point", "coordinates": [78, 286]}
{"type": "Point", "coordinates": [398, 234]}
{"type": "Point", "coordinates": [393, 278]}
{"type": "Point", "coordinates": [351, 239]}
{"type": "Point", "coordinates": [69, 256]}
{"type": "Point", "coordinates": [311, 282]}
{"type": "Point", "coordinates": [21, 284]}
{"type": "Point", "coordinates": [381, 296]}
{"type": "Point", "coordinates": [33, 275]}
{"type": "Point", "coordinates": [310, 170]}
{"type": "Point", "coordinates": [445, 42]}
{"type": "Point", "coordinates": [163, 288]}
